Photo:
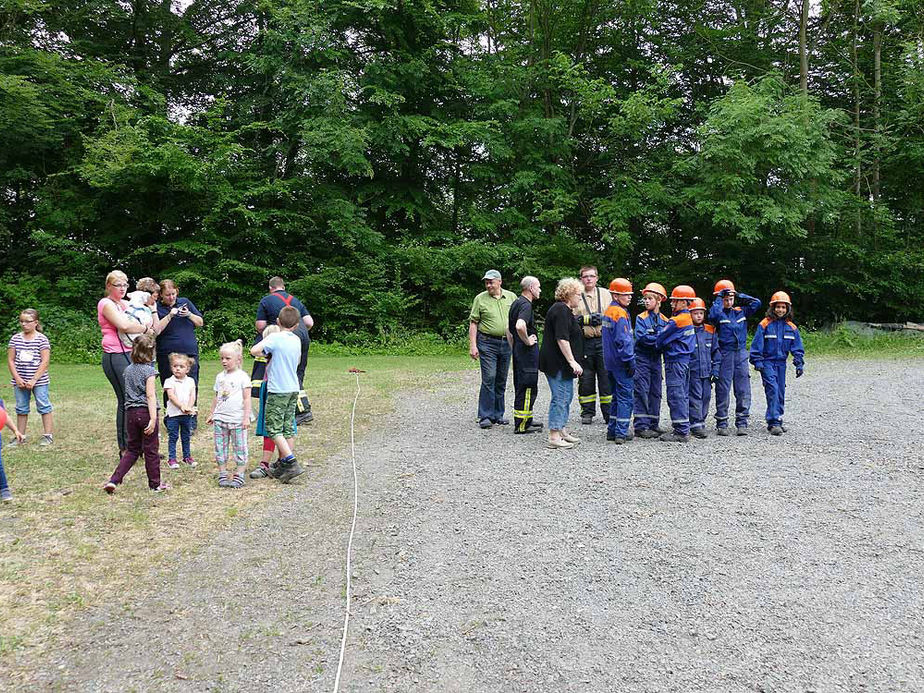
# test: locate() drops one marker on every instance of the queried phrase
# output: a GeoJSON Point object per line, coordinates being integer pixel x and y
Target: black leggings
{"type": "Point", "coordinates": [114, 366]}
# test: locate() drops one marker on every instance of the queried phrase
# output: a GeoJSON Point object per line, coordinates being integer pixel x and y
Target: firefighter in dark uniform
{"type": "Point", "coordinates": [522, 326]}
{"type": "Point", "coordinates": [594, 380]}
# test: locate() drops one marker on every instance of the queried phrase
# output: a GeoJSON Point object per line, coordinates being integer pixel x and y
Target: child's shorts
{"type": "Point", "coordinates": [24, 399]}
{"type": "Point", "coordinates": [280, 414]}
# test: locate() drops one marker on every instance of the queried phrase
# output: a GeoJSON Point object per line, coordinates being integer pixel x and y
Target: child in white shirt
{"type": "Point", "coordinates": [230, 414]}
{"type": "Point", "coordinates": [181, 408]}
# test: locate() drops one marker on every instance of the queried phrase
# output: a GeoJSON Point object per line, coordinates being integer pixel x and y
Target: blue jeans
{"type": "Point", "coordinates": [3, 482]}
{"type": "Point", "coordinates": [562, 388]}
{"type": "Point", "coordinates": [494, 356]}
{"type": "Point", "coordinates": [178, 427]}
{"type": "Point", "coordinates": [24, 398]}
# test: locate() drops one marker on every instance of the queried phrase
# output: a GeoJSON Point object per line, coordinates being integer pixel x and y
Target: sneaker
{"type": "Point", "coordinates": [699, 433]}
{"type": "Point", "coordinates": [486, 423]}
{"type": "Point", "coordinates": [47, 439]}
{"type": "Point", "coordinates": [587, 419]}
{"type": "Point", "coordinates": [164, 486]}
{"type": "Point", "coordinates": [658, 430]}
{"type": "Point", "coordinates": [535, 425]}
{"type": "Point", "coordinates": [6, 495]}
{"type": "Point", "coordinates": [782, 428]}
{"type": "Point", "coordinates": [15, 443]}
{"type": "Point", "coordinates": [722, 431]}
{"type": "Point", "coordinates": [288, 471]}
{"type": "Point", "coordinates": [237, 481]}
{"type": "Point", "coordinates": [776, 430]}
{"type": "Point", "coordinates": [109, 488]}
{"type": "Point", "coordinates": [259, 473]}
{"type": "Point", "coordinates": [648, 434]}
{"type": "Point", "coordinates": [631, 434]}
{"type": "Point", "coordinates": [173, 464]}
{"type": "Point", "coordinates": [304, 417]}
{"type": "Point", "coordinates": [741, 430]}
{"type": "Point", "coordinates": [502, 422]}
{"type": "Point", "coordinates": [223, 481]}
{"type": "Point", "coordinates": [189, 461]}
{"type": "Point", "coordinates": [619, 440]}
{"type": "Point", "coordinates": [273, 470]}
{"type": "Point", "coordinates": [561, 443]}
{"type": "Point", "coordinates": [673, 437]}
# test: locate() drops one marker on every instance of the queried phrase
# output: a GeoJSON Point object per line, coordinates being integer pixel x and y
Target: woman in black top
{"type": "Point", "coordinates": [560, 357]}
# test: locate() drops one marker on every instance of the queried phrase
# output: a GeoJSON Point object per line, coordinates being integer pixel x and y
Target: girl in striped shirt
{"type": "Point", "coordinates": [27, 358]}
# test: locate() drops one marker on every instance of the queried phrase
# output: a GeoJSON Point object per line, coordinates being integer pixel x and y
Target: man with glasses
{"type": "Point", "coordinates": [490, 344]}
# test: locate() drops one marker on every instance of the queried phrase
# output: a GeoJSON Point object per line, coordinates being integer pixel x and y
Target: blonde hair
{"type": "Point", "coordinates": [32, 313]}
{"type": "Point", "coordinates": [114, 276]}
{"type": "Point", "coordinates": [567, 287]}
{"type": "Point", "coordinates": [234, 349]}
{"type": "Point", "coordinates": [147, 284]}
{"type": "Point", "coordinates": [182, 358]}
{"type": "Point", "coordinates": [271, 329]}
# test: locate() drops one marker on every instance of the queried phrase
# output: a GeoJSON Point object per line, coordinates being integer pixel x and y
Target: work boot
{"type": "Point", "coordinates": [535, 425]}
{"type": "Point", "coordinates": [523, 431]}
{"type": "Point", "coordinates": [631, 434]}
{"type": "Point", "coordinates": [288, 471]}
{"type": "Point", "coordinates": [648, 434]}
{"type": "Point", "coordinates": [741, 430]}
{"type": "Point", "coordinates": [587, 419]}
{"type": "Point", "coordinates": [610, 437]}
{"type": "Point", "coordinates": [273, 470]}
{"type": "Point", "coordinates": [674, 437]}
{"type": "Point", "coordinates": [782, 428]}
{"type": "Point", "coordinates": [776, 430]}
{"type": "Point", "coordinates": [658, 430]}
{"type": "Point", "coordinates": [260, 472]}
{"type": "Point", "coordinates": [486, 423]}
{"type": "Point", "coordinates": [722, 431]}
{"type": "Point", "coordinates": [699, 433]}
{"type": "Point", "coordinates": [619, 440]}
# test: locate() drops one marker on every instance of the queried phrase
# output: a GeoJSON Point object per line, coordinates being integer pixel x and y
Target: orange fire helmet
{"type": "Point", "coordinates": [655, 288]}
{"type": "Point", "coordinates": [683, 292]}
{"type": "Point", "coordinates": [620, 286]}
{"type": "Point", "coordinates": [698, 304]}
{"type": "Point", "coordinates": [780, 297]}
{"type": "Point", "coordinates": [723, 284]}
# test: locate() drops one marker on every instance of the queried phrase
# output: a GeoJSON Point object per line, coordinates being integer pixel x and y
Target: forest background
{"type": "Point", "coordinates": [381, 154]}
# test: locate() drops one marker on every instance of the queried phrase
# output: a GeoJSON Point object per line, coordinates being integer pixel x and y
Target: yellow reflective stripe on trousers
{"type": "Point", "coordinates": [526, 413]}
{"type": "Point", "coordinates": [587, 398]}
{"type": "Point", "coordinates": [606, 399]}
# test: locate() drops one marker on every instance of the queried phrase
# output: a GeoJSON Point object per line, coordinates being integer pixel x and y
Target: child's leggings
{"type": "Point", "coordinates": [136, 419]}
{"type": "Point", "coordinates": [178, 427]}
{"type": "Point", "coordinates": [230, 443]}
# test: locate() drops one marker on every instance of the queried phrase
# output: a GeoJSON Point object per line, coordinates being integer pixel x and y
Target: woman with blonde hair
{"type": "Point", "coordinates": [112, 318]}
{"type": "Point", "coordinates": [560, 359]}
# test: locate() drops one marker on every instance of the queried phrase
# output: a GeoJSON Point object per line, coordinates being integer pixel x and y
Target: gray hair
{"type": "Point", "coordinates": [528, 281]}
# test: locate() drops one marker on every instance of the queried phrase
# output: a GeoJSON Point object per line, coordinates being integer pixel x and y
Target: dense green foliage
{"type": "Point", "coordinates": [381, 154]}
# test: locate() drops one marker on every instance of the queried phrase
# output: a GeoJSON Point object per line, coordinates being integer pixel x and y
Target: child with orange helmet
{"type": "Point", "coordinates": [648, 369]}
{"type": "Point", "coordinates": [704, 368]}
{"type": "Point", "coordinates": [776, 338]}
{"type": "Point", "coordinates": [619, 359]}
{"type": "Point", "coordinates": [677, 342]}
{"type": "Point", "coordinates": [731, 326]}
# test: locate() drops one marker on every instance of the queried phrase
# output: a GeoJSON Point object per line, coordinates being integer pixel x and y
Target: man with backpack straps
{"type": "Point", "coordinates": [267, 313]}
{"type": "Point", "coordinates": [594, 379]}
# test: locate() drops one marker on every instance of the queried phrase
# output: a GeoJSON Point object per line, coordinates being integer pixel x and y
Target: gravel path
{"type": "Point", "coordinates": [485, 562]}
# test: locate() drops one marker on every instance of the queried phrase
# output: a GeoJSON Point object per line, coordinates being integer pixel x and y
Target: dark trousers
{"type": "Point", "coordinates": [700, 396]}
{"type": "Point", "coordinates": [594, 380]}
{"type": "Point", "coordinates": [494, 356]}
{"type": "Point", "coordinates": [648, 376]}
{"type": "Point", "coordinates": [621, 385]}
{"type": "Point", "coordinates": [773, 375]}
{"type": "Point", "coordinates": [677, 376]}
{"type": "Point", "coordinates": [114, 366]}
{"type": "Point", "coordinates": [178, 427]}
{"type": "Point", "coordinates": [525, 382]}
{"type": "Point", "coordinates": [136, 419]}
{"type": "Point", "coordinates": [733, 373]}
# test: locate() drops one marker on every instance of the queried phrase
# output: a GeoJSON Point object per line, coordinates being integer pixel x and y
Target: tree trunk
{"type": "Point", "coordinates": [858, 165]}
{"type": "Point", "coordinates": [877, 103]}
{"type": "Point", "coordinates": [803, 48]}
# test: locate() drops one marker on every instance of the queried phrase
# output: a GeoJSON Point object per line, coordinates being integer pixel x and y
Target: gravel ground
{"type": "Point", "coordinates": [485, 562]}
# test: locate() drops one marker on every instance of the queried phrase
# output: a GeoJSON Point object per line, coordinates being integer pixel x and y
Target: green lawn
{"type": "Point", "coordinates": [65, 544]}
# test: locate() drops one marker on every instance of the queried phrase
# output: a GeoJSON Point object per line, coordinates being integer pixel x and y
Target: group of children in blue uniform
{"type": "Point", "coordinates": [696, 351]}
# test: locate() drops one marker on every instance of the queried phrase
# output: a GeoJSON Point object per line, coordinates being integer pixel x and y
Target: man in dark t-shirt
{"type": "Point", "coordinates": [267, 313]}
{"type": "Point", "coordinates": [522, 326]}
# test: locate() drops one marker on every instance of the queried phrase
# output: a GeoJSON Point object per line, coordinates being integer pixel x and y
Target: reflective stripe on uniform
{"type": "Point", "coordinates": [587, 399]}
{"type": "Point", "coordinates": [606, 399]}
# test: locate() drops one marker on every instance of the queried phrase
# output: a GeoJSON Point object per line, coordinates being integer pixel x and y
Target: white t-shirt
{"type": "Point", "coordinates": [229, 402]}
{"type": "Point", "coordinates": [182, 391]}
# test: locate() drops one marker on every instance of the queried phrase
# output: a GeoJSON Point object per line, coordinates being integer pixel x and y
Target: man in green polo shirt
{"type": "Point", "coordinates": [490, 341]}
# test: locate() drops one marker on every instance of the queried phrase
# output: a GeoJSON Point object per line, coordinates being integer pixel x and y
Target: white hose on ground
{"type": "Point", "coordinates": [349, 569]}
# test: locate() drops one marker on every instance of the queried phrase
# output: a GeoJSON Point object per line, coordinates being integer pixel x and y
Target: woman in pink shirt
{"type": "Point", "coordinates": [110, 313]}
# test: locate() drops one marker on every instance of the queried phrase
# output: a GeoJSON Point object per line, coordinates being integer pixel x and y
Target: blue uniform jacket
{"type": "Point", "coordinates": [618, 345]}
{"type": "Point", "coordinates": [706, 357]}
{"type": "Point", "coordinates": [678, 338]}
{"type": "Point", "coordinates": [775, 340]}
{"type": "Point", "coordinates": [647, 327]}
{"type": "Point", "coordinates": [732, 324]}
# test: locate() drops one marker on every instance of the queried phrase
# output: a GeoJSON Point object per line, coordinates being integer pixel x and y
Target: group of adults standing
{"type": "Point", "coordinates": [501, 324]}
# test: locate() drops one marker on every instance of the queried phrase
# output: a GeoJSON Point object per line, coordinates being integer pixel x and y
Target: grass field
{"type": "Point", "coordinates": [66, 545]}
